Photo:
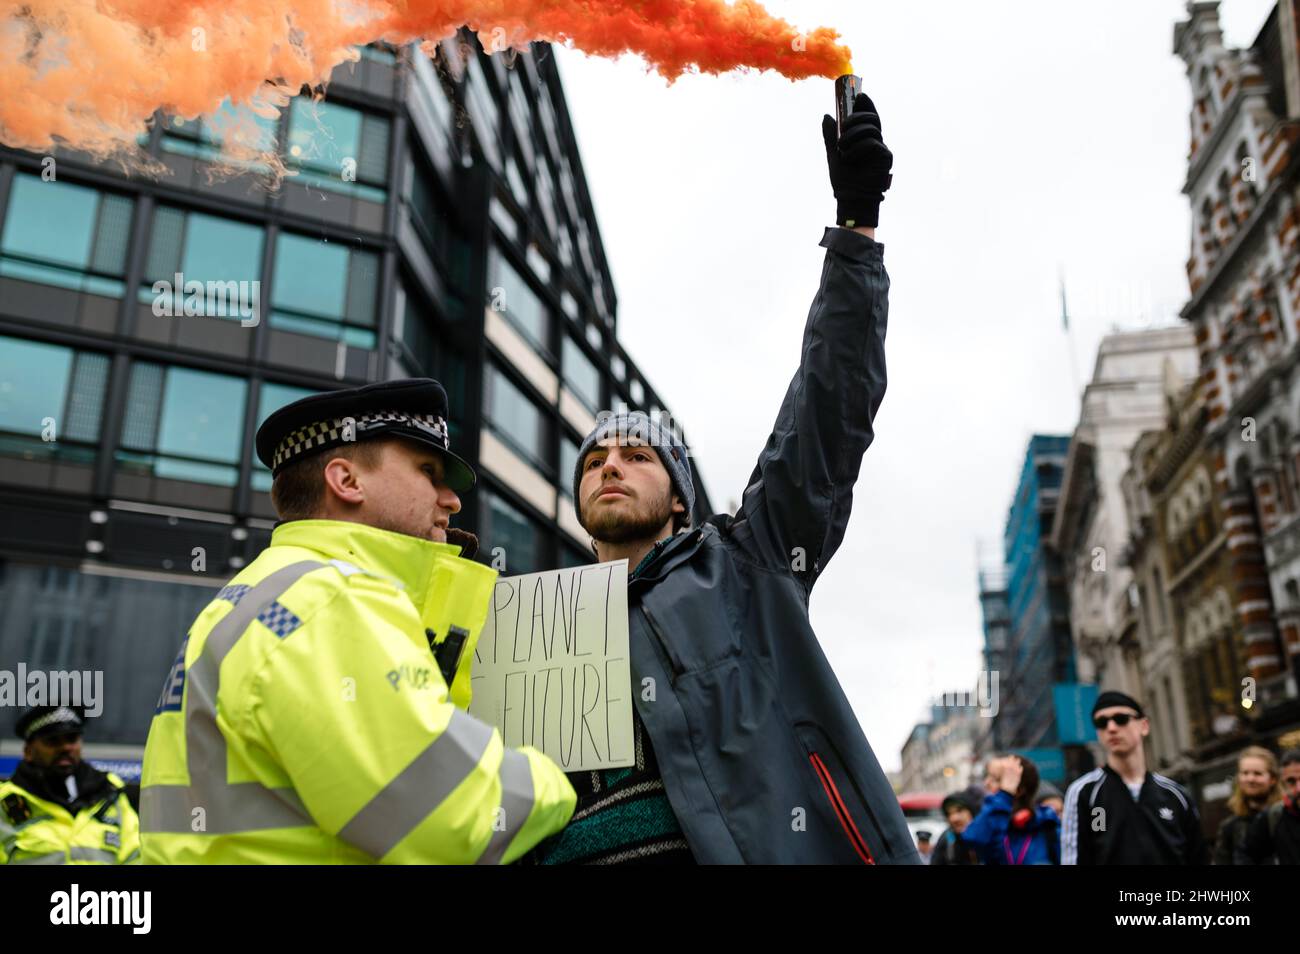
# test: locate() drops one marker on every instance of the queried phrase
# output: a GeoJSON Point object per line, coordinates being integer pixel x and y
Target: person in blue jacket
{"type": "Point", "coordinates": [1010, 829]}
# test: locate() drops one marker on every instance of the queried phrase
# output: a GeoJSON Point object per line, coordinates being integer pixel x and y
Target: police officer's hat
{"type": "Point", "coordinates": [414, 408]}
{"type": "Point", "coordinates": [41, 721]}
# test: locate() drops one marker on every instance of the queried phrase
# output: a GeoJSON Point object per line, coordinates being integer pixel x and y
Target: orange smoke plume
{"type": "Point", "coordinates": [90, 73]}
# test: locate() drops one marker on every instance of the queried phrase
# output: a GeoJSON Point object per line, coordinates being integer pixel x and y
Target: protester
{"type": "Point", "coordinates": [747, 747]}
{"type": "Point", "coordinates": [58, 809]}
{"type": "Point", "coordinates": [1122, 814]}
{"type": "Point", "coordinates": [1010, 829]}
{"type": "Point", "coordinates": [1274, 835]}
{"type": "Point", "coordinates": [960, 808]}
{"type": "Point", "coordinates": [1254, 789]}
{"type": "Point", "coordinates": [317, 710]}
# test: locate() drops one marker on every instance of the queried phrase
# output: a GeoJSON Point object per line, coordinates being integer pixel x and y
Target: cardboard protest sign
{"type": "Point", "coordinates": [551, 666]}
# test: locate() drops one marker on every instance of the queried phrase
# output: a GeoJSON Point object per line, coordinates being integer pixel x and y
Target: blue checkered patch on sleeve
{"type": "Point", "coordinates": [234, 592]}
{"type": "Point", "coordinates": [279, 619]}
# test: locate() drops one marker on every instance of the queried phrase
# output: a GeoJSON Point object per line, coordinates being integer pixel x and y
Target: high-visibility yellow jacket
{"type": "Point", "coordinates": [38, 831]}
{"type": "Point", "coordinates": [305, 719]}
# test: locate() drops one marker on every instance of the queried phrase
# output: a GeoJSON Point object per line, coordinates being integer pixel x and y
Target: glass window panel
{"type": "Point", "coordinates": [522, 305]}
{"type": "Point", "coordinates": [112, 234]}
{"type": "Point", "coordinates": [33, 384]}
{"type": "Point", "coordinates": [569, 304]}
{"type": "Point", "coordinates": [165, 243]}
{"type": "Point", "coordinates": [322, 135]}
{"type": "Point", "coordinates": [143, 397]}
{"type": "Point", "coordinates": [517, 535]}
{"type": "Point", "coordinates": [504, 218]}
{"type": "Point", "coordinates": [372, 163]}
{"type": "Point", "coordinates": [86, 398]}
{"type": "Point", "coordinates": [202, 415]}
{"type": "Point", "coordinates": [218, 249]}
{"type": "Point", "coordinates": [50, 221]}
{"type": "Point", "coordinates": [514, 418]}
{"type": "Point", "coordinates": [429, 89]}
{"type": "Point", "coordinates": [483, 111]}
{"type": "Point", "coordinates": [538, 263]}
{"type": "Point", "coordinates": [453, 375]}
{"type": "Point", "coordinates": [568, 464]}
{"type": "Point", "coordinates": [363, 286]}
{"type": "Point", "coordinates": [272, 398]}
{"type": "Point", "coordinates": [516, 180]}
{"type": "Point", "coordinates": [581, 374]}
{"type": "Point", "coordinates": [310, 276]}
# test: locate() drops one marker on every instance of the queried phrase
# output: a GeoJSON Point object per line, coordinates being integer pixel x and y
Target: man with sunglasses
{"type": "Point", "coordinates": [1122, 814]}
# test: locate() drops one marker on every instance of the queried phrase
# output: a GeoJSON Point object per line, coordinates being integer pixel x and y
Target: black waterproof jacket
{"type": "Point", "coordinates": [762, 757]}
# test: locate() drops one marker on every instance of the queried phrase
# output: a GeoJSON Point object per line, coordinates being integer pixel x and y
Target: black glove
{"type": "Point", "coordinates": [859, 164]}
{"type": "Point", "coordinates": [467, 542]}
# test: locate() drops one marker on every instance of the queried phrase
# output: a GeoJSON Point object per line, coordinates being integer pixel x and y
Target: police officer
{"type": "Point", "coordinates": [316, 712]}
{"type": "Point", "coordinates": [58, 809]}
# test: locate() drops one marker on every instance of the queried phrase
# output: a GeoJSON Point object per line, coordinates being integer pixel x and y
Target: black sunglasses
{"type": "Point", "coordinates": [1121, 719]}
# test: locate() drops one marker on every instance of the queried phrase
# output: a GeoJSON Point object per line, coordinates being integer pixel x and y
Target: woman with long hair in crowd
{"type": "Point", "coordinates": [1010, 829]}
{"type": "Point", "coordinates": [1255, 788]}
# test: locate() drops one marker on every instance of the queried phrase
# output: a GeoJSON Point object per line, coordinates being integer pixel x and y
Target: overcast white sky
{"type": "Point", "coordinates": [1025, 135]}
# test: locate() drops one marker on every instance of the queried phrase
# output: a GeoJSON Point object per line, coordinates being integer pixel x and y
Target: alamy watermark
{"type": "Point", "coordinates": [211, 299]}
{"type": "Point", "coordinates": [984, 695]}
{"type": "Point", "coordinates": [57, 687]}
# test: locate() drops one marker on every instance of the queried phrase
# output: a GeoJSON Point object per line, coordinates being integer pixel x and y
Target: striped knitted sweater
{"type": "Point", "coordinates": [623, 816]}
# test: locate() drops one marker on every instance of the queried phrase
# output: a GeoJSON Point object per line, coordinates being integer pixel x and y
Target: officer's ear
{"type": "Point", "coordinates": [342, 477]}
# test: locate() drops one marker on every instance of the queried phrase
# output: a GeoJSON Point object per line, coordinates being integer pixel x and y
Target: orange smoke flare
{"type": "Point", "coordinates": [90, 73]}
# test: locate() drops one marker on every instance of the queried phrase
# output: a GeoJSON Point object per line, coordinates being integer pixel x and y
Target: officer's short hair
{"type": "Point", "coordinates": [298, 491]}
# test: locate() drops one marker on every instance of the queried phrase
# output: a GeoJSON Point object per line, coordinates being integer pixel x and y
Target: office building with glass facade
{"type": "Point", "coordinates": [438, 224]}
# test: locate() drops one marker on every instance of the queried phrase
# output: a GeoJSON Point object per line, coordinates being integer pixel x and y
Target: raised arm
{"type": "Point", "coordinates": [796, 506]}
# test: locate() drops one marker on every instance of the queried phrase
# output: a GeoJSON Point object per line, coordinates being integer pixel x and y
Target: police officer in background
{"type": "Point", "coordinates": [316, 711]}
{"type": "Point", "coordinates": [58, 809]}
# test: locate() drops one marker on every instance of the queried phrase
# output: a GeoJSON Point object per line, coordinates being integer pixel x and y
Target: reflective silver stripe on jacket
{"type": "Point", "coordinates": [97, 855]}
{"type": "Point", "coordinates": [516, 805]}
{"type": "Point", "coordinates": [420, 787]}
{"type": "Point", "coordinates": [53, 858]}
{"type": "Point", "coordinates": [210, 804]}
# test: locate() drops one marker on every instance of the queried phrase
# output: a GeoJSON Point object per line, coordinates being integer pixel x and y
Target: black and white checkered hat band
{"type": "Point", "coordinates": [58, 716]}
{"type": "Point", "coordinates": [314, 437]}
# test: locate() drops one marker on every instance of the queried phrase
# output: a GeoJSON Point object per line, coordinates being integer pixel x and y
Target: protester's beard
{"type": "Point", "coordinates": [645, 521]}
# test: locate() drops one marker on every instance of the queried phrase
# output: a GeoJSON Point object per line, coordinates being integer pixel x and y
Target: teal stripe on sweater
{"type": "Point", "coordinates": [613, 828]}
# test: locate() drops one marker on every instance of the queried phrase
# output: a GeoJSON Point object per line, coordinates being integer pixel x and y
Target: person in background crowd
{"type": "Point", "coordinates": [1050, 795]}
{"type": "Point", "coordinates": [1255, 789]}
{"type": "Point", "coordinates": [1274, 835]}
{"type": "Point", "coordinates": [1010, 829]}
{"type": "Point", "coordinates": [1121, 814]}
{"type": "Point", "coordinates": [924, 847]}
{"type": "Point", "coordinates": [960, 809]}
{"type": "Point", "coordinates": [58, 809]}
